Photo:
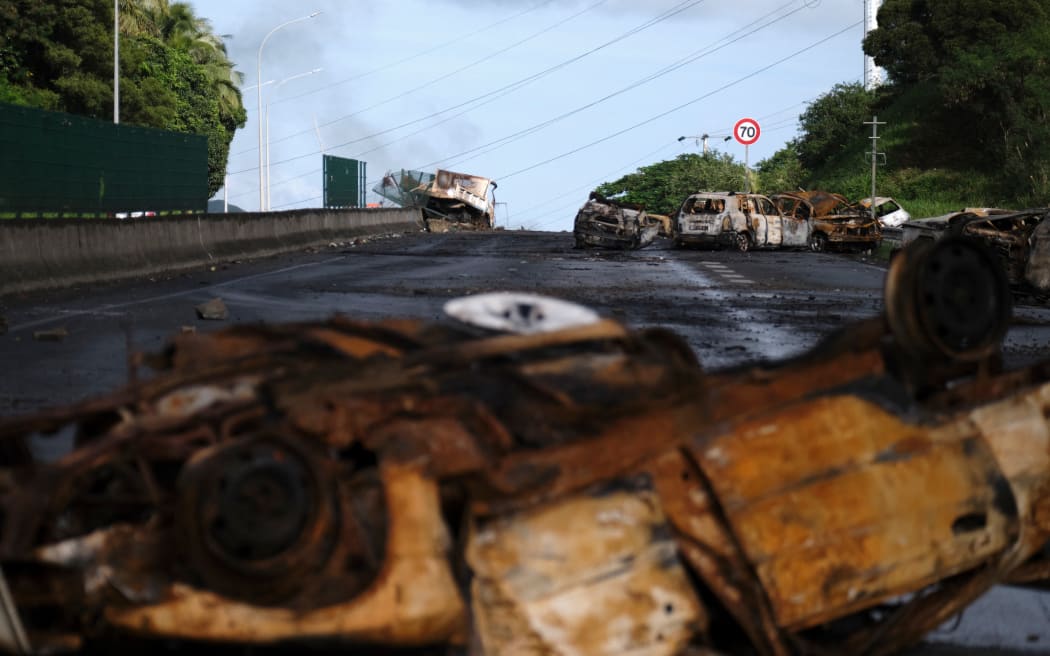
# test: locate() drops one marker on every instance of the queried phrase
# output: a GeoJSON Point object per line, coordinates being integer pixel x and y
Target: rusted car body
{"type": "Point", "coordinates": [736, 220]}
{"type": "Point", "coordinates": [448, 200]}
{"type": "Point", "coordinates": [1020, 240]}
{"type": "Point", "coordinates": [834, 223]}
{"type": "Point", "coordinates": [515, 485]}
{"type": "Point", "coordinates": [605, 223]}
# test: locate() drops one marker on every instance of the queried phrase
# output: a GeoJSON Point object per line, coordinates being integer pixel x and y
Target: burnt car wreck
{"type": "Point", "coordinates": [537, 479]}
{"type": "Point", "coordinates": [605, 223]}
{"type": "Point", "coordinates": [1019, 239]}
{"type": "Point", "coordinates": [835, 223]}
{"type": "Point", "coordinates": [449, 201]}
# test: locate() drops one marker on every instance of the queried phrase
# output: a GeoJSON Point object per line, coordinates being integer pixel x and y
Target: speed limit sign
{"type": "Point", "coordinates": [747, 131]}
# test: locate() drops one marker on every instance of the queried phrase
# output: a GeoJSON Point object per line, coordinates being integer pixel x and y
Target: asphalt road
{"type": "Point", "coordinates": [731, 307]}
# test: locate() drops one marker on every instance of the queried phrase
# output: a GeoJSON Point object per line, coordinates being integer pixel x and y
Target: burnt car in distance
{"type": "Point", "coordinates": [736, 220]}
{"type": "Point", "coordinates": [834, 222]}
{"type": "Point", "coordinates": [607, 223]}
{"type": "Point", "coordinates": [527, 477]}
{"type": "Point", "coordinates": [887, 210]}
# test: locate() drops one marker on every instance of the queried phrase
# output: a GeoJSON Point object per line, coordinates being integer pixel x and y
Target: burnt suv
{"type": "Point", "coordinates": [736, 220]}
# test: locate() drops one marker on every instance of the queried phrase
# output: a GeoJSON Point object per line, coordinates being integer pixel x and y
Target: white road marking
{"type": "Point", "coordinates": [766, 339]}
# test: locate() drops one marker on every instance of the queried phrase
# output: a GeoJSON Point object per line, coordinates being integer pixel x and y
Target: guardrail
{"type": "Point", "coordinates": [37, 254]}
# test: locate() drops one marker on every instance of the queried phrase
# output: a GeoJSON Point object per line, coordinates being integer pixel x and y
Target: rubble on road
{"type": "Point", "coordinates": [530, 477]}
{"type": "Point", "coordinates": [213, 310]}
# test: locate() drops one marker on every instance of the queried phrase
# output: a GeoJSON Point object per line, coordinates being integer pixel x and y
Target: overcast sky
{"type": "Point", "coordinates": [547, 97]}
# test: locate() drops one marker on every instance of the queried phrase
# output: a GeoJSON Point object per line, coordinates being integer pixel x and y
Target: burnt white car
{"type": "Point", "coordinates": [736, 220]}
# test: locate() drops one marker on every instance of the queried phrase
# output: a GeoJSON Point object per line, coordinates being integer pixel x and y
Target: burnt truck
{"type": "Point", "coordinates": [834, 222]}
{"type": "Point", "coordinates": [448, 200]}
{"type": "Point", "coordinates": [607, 223]}
{"type": "Point", "coordinates": [736, 220]}
{"type": "Point", "coordinates": [525, 476]}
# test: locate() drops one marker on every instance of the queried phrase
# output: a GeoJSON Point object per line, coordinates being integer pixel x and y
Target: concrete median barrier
{"type": "Point", "coordinates": [51, 253]}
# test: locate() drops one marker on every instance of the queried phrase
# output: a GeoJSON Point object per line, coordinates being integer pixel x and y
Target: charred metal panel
{"type": "Point", "coordinates": [596, 573]}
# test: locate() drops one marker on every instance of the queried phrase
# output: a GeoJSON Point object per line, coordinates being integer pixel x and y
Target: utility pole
{"type": "Point", "coordinates": [874, 123]}
{"type": "Point", "coordinates": [116, 61]}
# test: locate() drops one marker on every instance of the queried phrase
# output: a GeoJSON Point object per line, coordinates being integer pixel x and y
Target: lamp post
{"type": "Point", "coordinates": [704, 137]}
{"type": "Point", "coordinates": [116, 61]}
{"type": "Point", "coordinates": [275, 87]}
{"type": "Point", "coordinates": [258, 71]}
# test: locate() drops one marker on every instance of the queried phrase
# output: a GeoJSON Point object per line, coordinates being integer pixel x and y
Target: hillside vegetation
{"type": "Point", "coordinates": [965, 112]}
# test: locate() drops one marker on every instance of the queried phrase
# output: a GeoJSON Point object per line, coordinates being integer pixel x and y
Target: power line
{"type": "Point", "coordinates": [422, 53]}
{"type": "Point", "coordinates": [681, 106]}
{"type": "Point", "coordinates": [449, 74]}
{"type": "Point", "coordinates": [728, 40]}
{"type": "Point", "coordinates": [709, 49]}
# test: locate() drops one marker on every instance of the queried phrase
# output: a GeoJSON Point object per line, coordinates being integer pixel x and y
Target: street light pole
{"type": "Point", "coordinates": [258, 72]}
{"type": "Point", "coordinates": [116, 61]}
{"type": "Point", "coordinates": [704, 137]}
{"type": "Point", "coordinates": [267, 112]}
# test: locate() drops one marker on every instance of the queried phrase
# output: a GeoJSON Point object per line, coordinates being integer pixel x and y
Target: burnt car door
{"type": "Point", "coordinates": [763, 220]}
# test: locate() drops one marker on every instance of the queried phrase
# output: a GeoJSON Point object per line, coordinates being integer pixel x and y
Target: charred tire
{"type": "Point", "coordinates": [743, 242]}
{"type": "Point", "coordinates": [257, 517]}
{"type": "Point", "coordinates": [948, 299]}
{"type": "Point", "coordinates": [818, 242]}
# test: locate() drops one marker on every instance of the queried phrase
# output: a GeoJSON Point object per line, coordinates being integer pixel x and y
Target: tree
{"type": "Point", "coordinates": [782, 171]}
{"type": "Point", "coordinates": [662, 187]}
{"type": "Point", "coordinates": [986, 62]}
{"type": "Point", "coordinates": [175, 73]}
{"type": "Point", "coordinates": [831, 121]}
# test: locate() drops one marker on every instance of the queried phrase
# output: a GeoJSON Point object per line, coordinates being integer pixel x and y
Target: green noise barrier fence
{"type": "Point", "coordinates": [62, 165]}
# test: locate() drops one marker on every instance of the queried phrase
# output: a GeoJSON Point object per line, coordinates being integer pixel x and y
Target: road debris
{"type": "Point", "coordinates": [534, 478]}
{"type": "Point", "coordinates": [213, 310]}
{"type": "Point", "coordinates": [52, 335]}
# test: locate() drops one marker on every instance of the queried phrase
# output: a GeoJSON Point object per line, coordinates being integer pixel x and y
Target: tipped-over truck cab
{"type": "Point", "coordinates": [736, 220]}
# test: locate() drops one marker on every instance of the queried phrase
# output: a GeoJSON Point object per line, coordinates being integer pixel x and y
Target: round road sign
{"type": "Point", "coordinates": [747, 131]}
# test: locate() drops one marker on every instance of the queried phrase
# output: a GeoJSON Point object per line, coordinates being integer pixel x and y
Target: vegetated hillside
{"type": "Point", "coordinates": [931, 164]}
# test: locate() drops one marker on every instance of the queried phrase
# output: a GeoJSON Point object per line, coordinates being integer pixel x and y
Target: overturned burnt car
{"type": "Point", "coordinates": [536, 479]}
{"type": "Point", "coordinates": [448, 200]}
{"type": "Point", "coordinates": [834, 222]}
{"type": "Point", "coordinates": [606, 223]}
{"type": "Point", "coordinates": [1020, 240]}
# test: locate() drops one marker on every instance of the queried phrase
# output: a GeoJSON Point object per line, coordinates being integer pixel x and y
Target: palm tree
{"type": "Point", "coordinates": [178, 27]}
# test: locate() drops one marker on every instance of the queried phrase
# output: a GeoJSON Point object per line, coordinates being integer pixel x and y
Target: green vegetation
{"type": "Point", "coordinates": [965, 116]}
{"type": "Point", "coordinates": [175, 74]}
{"type": "Point", "coordinates": [661, 187]}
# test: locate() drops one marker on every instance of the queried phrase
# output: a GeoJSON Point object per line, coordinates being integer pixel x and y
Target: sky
{"type": "Point", "coordinates": [549, 98]}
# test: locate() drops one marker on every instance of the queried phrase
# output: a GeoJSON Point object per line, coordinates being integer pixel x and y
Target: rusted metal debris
{"type": "Point", "coordinates": [835, 223]}
{"type": "Point", "coordinates": [606, 223]}
{"type": "Point", "coordinates": [566, 488]}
